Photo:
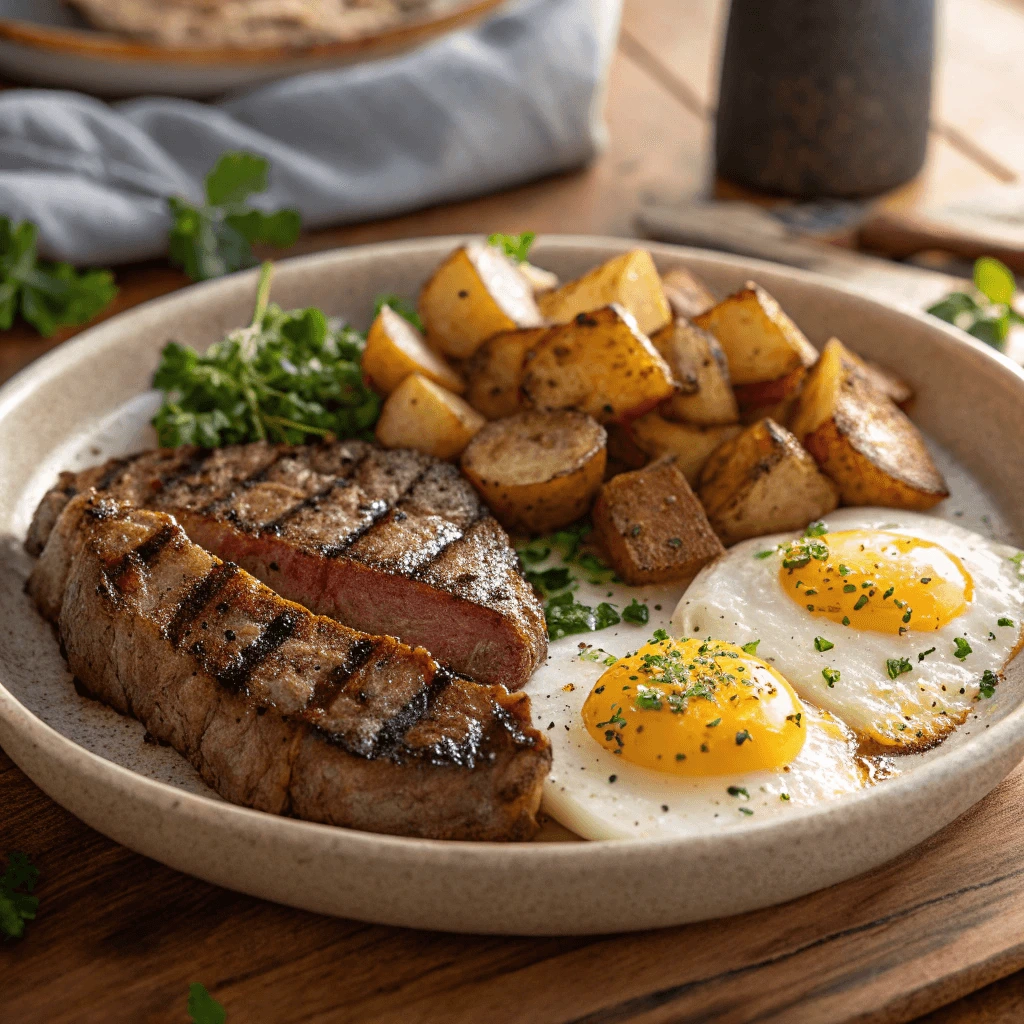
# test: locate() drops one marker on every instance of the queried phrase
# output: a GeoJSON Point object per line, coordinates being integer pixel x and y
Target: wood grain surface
{"type": "Point", "coordinates": [119, 937]}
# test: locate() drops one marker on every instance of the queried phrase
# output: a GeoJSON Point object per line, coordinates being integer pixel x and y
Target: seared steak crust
{"type": "Point", "coordinates": [388, 542]}
{"type": "Point", "coordinates": [277, 708]}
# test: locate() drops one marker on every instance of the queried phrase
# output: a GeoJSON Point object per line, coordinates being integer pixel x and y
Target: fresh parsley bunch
{"type": "Point", "coordinates": [47, 295]}
{"type": "Point", "coordinates": [217, 238]}
{"type": "Point", "coordinates": [17, 904]}
{"type": "Point", "coordinates": [988, 314]}
{"type": "Point", "coordinates": [288, 376]}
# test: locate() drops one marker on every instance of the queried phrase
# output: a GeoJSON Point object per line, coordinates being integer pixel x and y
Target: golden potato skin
{"type": "Point", "coordinates": [495, 372]}
{"type": "Point", "coordinates": [630, 280]}
{"type": "Point", "coordinates": [704, 391]}
{"type": "Point", "coordinates": [422, 415]}
{"type": "Point", "coordinates": [880, 378]}
{"type": "Point", "coordinates": [537, 471]}
{"type": "Point", "coordinates": [763, 481]}
{"type": "Point", "coordinates": [395, 349]}
{"type": "Point", "coordinates": [691, 444]}
{"type": "Point", "coordinates": [688, 296]}
{"type": "Point", "coordinates": [774, 399]}
{"type": "Point", "coordinates": [598, 363]}
{"type": "Point", "coordinates": [860, 439]}
{"type": "Point", "coordinates": [652, 526]}
{"type": "Point", "coordinates": [761, 343]}
{"type": "Point", "coordinates": [474, 294]}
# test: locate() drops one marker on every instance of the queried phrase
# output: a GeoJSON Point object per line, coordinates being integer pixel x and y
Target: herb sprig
{"type": "Point", "coordinates": [288, 376]}
{"type": "Point", "coordinates": [217, 236]}
{"type": "Point", "coordinates": [988, 313]}
{"type": "Point", "coordinates": [47, 295]}
{"type": "Point", "coordinates": [516, 247]}
{"type": "Point", "coordinates": [17, 904]}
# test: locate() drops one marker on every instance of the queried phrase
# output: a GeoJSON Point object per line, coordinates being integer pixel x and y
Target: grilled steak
{"type": "Point", "coordinates": [388, 542]}
{"type": "Point", "coordinates": [277, 708]}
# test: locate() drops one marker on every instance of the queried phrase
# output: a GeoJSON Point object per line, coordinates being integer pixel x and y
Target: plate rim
{"type": "Point", "coordinates": [988, 746]}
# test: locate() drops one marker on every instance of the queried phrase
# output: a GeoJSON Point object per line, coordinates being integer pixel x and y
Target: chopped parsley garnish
{"type": "Point", "coordinates": [599, 655]}
{"type": "Point", "coordinates": [744, 810]}
{"type": "Point", "coordinates": [534, 552]}
{"type": "Point", "coordinates": [550, 580]}
{"type": "Point", "coordinates": [516, 247]}
{"type": "Point", "coordinates": [846, 620]}
{"type": "Point", "coordinates": [861, 601]}
{"type": "Point", "coordinates": [816, 529]}
{"type": "Point", "coordinates": [636, 612]}
{"type": "Point", "coordinates": [844, 570]}
{"type": "Point", "coordinates": [1005, 622]}
{"type": "Point", "coordinates": [288, 376]}
{"type": "Point", "coordinates": [849, 588]}
{"type": "Point", "coordinates": [660, 634]}
{"type": "Point", "coordinates": [795, 718]}
{"type": "Point", "coordinates": [799, 553]}
{"type": "Point", "coordinates": [202, 1007]}
{"type": "Point", "coordinates": [741, 737]}
{"type": "Point", "coordinates": [924, 654]}
{"type": "Point", "coordinates": [783, 796]}
{"type": "Point", "coordinates": [738, 791]}
{"type": "Point", "coordinates": [889, 593]}
{"type": "Point", "coordinates": [987, 687]}
{"type": "Point", "coordinates": [897, 666]}
{"type": "Point", "coordinates": [926, 579]}
{"type": "Point", "coordinates": [961, 648]}
{"type": "Point", "coordinates": [765, 554]}
{"type": "Point", "coordinates": [831, 675]}
{"type": "Point", "coordinates": [751, 647]}
{"type": "Point", "coordinates": [616, 718]}
{"type": "Point", "coordinates": [712, 724]}
{"type": "Point", "coordinates": [648, 699]}
{"type": "Point", "coordinates": [1018, 560]}
{"type": "Point", "coordinates": [217, 236]}
{"type": "Point", "coordinates": [821, 644]}
{"type": "Point", "coordinates": [17, 904]}
{"type": "Point", "coordinates": [675, 542]}
{"type": "Point", "coordinates": [565, 615]}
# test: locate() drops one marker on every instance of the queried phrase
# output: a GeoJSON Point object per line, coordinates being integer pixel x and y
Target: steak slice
{"type": "Point", "coordinates": [277, 708]}
{"type": "Point", "coordinates": [386, 541]}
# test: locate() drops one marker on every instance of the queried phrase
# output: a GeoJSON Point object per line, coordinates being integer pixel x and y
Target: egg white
{"type": "Point", "coordinates": [739, 596]}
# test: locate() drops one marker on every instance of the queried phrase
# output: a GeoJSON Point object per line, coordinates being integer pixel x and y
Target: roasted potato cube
{"type": "Point", "coordinates": [880, 378]}
{"type": "Point", "coordinates": [868, 446]}
{"type": "Point", "coordinates": [763, 481]}
{"type": "Point", "coordinates": [623, 452]}
{"type": "Point", "coordinates": [774, 399]}
{"type": "Point", "coordinates": [395, 349]}
{"type": "Point", "coordinates": [537, 471]}
{"type": "Point", "coordinates": [760, 342]}
{"type": "Point", "coordinates": [691, 444]}
{"type": "Point", "coordinates": [630, 280]}
{"type": "Point", "coordinates": [495, 373]}
{"type": "Point", "coordinates": [687, 294]}
{"type": "Point", "coordinates": [653, 527]}
{"type": "Point", "coordinates": [475, 293]}
{"type": "Point", "coordinates": [422, 415]}
{"type": "Point", "coordinates": [600, 364]}
{"type": "Point", "coordinates": [704, 393]}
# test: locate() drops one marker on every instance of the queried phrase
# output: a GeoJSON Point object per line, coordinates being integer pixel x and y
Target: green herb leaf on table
{"type": "Point", "coordinates": [988, 314]}
{"type": "Point", "coordinates": [47, 295]}
{"type": "Point", "coordinates": [516, 247]}
{"type": "Point", "coordinates": [202, 1007]}
{"type": "Point", "coordinates": [17, 905]}
{"type": "Point", "coordinates": [217, 237]}
{"type": "Point", "coordinates": [289, 376]}
{"type": "Point", "coordinates": [994, 280]}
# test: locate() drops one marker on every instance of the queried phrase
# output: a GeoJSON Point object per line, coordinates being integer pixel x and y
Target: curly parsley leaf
{"type": "Point", "coordinates": [961, 648]}
{"type": "Point", "coordinates": [202, 1007]}
{"type": "Point", "coordinates": [636, 612]}
{"type": "Point", "coordinates": [217, 237]}
{"type": "Point", "coordinates": [897, 666]}
{"type": "Point", "coordinates": [288, 376]}
{"type": "Point", "coordinates": [566, 615]}
{"type": "Point", "coordinates": [987, 314]}
{"type": "Point", "coordinates": [516, 247]}
{"type": "Point", "coordinates": [47, 295]}
{"type": "Point", "coordinates": [987, 686]}
{"type": "Point", "coordinates": [17, 905]}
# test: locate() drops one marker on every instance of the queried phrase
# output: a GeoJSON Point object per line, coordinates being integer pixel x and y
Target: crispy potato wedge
{"type": "Point", "coordinates": [763, 481]}
{"type": "Point", "coordinates": [395, 349]}
{"type": "Point", "coordinates": [761, 343]}
{"type": "Point", "coordinates": [630, 280]}
{"type": "Point", "coordinates": [691, 444]}
{"type": "Point", "coordinates": [868, 446]}
{"type": "Point", "coordinates": [653, 527]}
{"type": "Point", "coordinates": [772, 399]}
{"type": "Point", "coordinates": [704, 394]}
{"type": "Point", "coordinates": [624, 453]}
{"type": "Point", "coordinates": [881, 379]}
{"type": "Point", "coordinates": [495, 372]}
{"type": "Point", "coordinates": [422, 415]}
{"type": "Point", "coordinates": [598, 363]}
{"type": "Point", "coordinates": [537, 471]}
{"type": "Point", "coordinates": [475, 293]}
{"type": "Point", "coordinates": [687, 294]}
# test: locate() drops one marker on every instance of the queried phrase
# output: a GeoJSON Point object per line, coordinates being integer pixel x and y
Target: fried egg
{"type": "Point", "coordinates": [686, 735]}
{"type": "Point", "coordinates": [897, 623]}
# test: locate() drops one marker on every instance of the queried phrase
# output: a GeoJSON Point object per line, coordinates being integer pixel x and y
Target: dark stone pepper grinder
{"type": "Point", "coordinates": [825, 97]}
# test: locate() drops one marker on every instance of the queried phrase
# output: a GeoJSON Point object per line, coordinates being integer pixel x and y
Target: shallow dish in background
{"type": "Point", "coordinates": [87, 400]}
{"type": "Point", "coordinates": [44, 43]}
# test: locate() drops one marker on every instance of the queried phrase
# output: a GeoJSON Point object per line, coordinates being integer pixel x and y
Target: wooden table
{"type": "Point", "coordinates": [120, 937]}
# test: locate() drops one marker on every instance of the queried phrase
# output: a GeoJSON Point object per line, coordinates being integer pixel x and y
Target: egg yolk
{"type": "Point", "coordinates": [876, 580]}
{"type": "Point", "coordinates": [693, 707]}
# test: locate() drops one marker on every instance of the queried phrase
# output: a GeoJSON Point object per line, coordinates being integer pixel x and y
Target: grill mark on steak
{"type": "Point", "coordinates": [390, 742]}
{"type": "Point", "coordinates": [202, 592]}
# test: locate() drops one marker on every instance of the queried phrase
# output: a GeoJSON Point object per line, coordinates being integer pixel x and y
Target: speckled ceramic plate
{"type": "Point", "coordinates": [88, 399]}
